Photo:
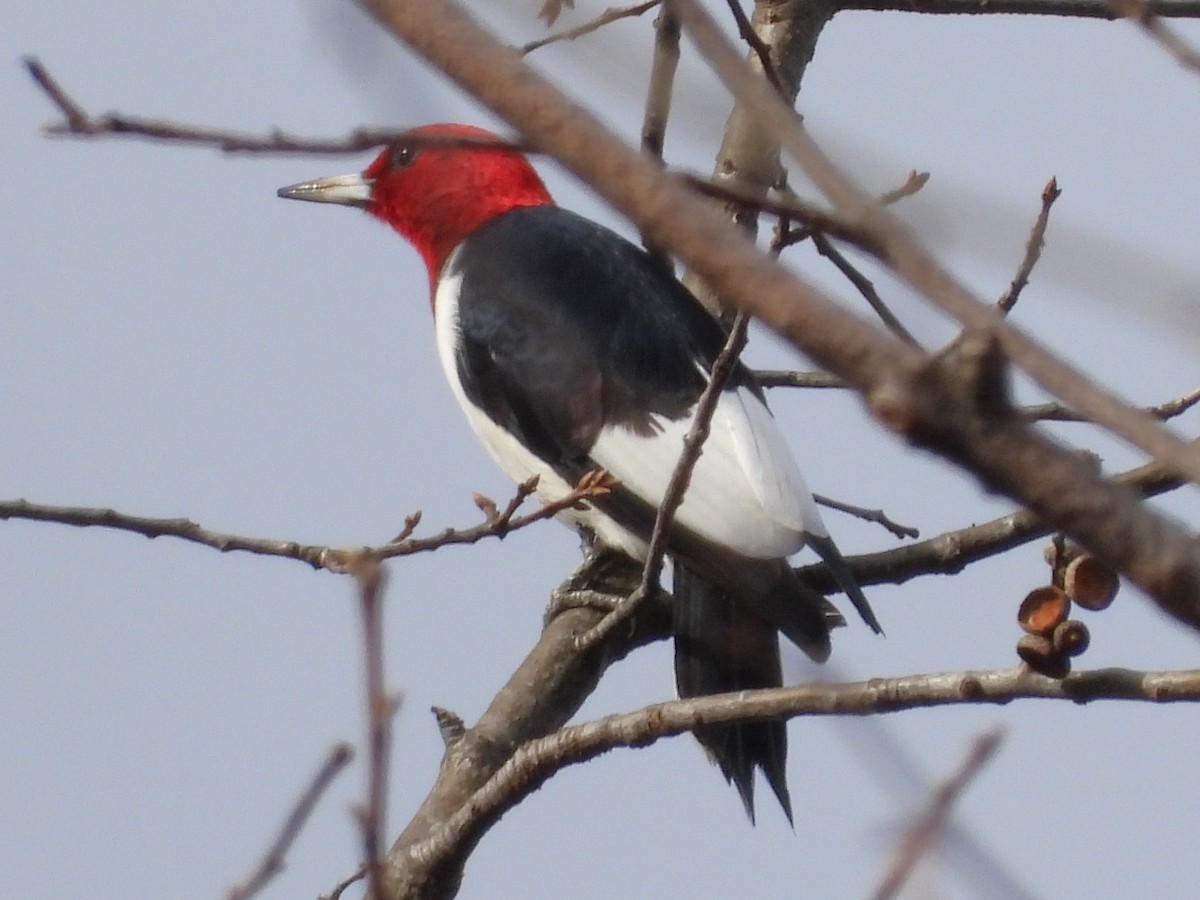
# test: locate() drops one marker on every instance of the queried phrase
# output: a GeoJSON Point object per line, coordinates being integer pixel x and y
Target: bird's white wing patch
{"type": "Point", "coordinates": [771, 468]}
{"type": "Point", "coordinates": [746, 491]}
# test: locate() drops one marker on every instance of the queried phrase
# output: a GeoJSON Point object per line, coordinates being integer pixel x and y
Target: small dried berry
{"type": "Point", "coordinates": [1071, 638]}
{"type": "Point", "coordinates": [1037, 652]}
{"type": "Point", "coordinates": [1043, 609]}
{"type": "Point", "coordinates": [1091, 583]}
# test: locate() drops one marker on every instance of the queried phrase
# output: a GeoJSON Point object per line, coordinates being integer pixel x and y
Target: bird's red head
{"type": "Point", "coordinates": [436, 189]}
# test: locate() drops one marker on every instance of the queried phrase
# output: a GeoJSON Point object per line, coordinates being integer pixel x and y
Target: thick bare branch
{"type": "Point", "coordinates": [537, 761]}
{"type": "Point", "coordinates": [760, 48]}
{"type": "Point", "coordinates": [543, 693]}
{"type": "Point", "coordinates": [1084, 9]}
{"type": "Point", "coordinates": [748, 158]}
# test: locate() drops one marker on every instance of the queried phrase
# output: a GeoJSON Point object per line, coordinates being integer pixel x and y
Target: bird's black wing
{"type": "Point", "coordinates": [567, 328]}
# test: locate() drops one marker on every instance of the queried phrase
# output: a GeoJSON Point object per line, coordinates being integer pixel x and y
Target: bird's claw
{"type": "Point", "coordinates": [564, 598]}
{"type": "Point", "coordinates": [601, 583]}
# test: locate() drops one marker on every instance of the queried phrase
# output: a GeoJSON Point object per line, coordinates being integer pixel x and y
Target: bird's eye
{"type": "Point", "coordinates": [402, 156]}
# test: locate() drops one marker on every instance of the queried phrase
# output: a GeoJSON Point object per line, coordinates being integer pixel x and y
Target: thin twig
{"type": "Point", "coordinates": [921, 833]}
{"type": "Point", "coordinates": [342, 886]}
{"type": "Point", "coordinates": [878, 516]}
{"type": "Point", "coordinates": [1144, 15]}
{"type": "Point", "coordinates": [863, 285]}
{"type": "Point", "coordinates": [273, 860]}
{"type": "Point", "coordinates": [1057, 412]}
{"type": "Point", "coordinates": [77, 119]}
{"type": "Point", "coordinates": [792, 206]}
{"type": "Point", "coordinates": [1033, 249]}
{"type": "Point", "coordinates": [815, 218]}
{"type": "Point", "coordinates": [693, 446]}
{"type": "Point", "coordinates": [946, 553]}
{"type": "Point", "coordinates": [915, 181]}
{"type": "Point", "coordinates": [952, 551]}
{"type": "Point", "coordinates": [316, 555]}
{"type": "Point", "coordinates": [78, 122]}
{"type": "Point", "coordinates": [381, 710]}
{"type": "Point", "coordinates": [609, 15]}
{"type": "Point", "coordinates": [552, 9]}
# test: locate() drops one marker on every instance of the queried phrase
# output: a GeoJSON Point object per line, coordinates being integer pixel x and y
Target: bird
{"type": "Point", "coordinates": [572, 350]}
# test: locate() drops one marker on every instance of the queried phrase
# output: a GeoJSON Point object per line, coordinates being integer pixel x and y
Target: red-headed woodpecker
{"type": "Point", "coordinates": [570, 350]}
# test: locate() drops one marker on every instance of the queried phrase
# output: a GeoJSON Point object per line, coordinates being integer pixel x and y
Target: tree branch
{"type": "Point", "coordinates": [659, 93]}
{"type": "Point", "coordinates": [1148, 18]}
{"type": "Point", "coordinates": [537, 761]}
{"type": "Point", "coordinates": [863, 285]}
{"type": "Point", "coordinates": [77, 122]}
{"type": "Point", "coordinates": [543, 693]}
{"type": "Point", "coordinates": [952, 551]}
{"type": "Point", "coordinates": [868, 515]}
{"type": "Point", "coordinates": [498, 523]}
{"type": "Point", "coordinates": [613, 14]}
{"type": "Point", "coordinates": [770, 378]}
{"type": "Point", "coordinates": [919, 836]}
{"type": "Point", "coordinates": [381, 709]}
{"type": "Point", "coordinates": [1084, 9]}
{"type": "Point", "coordinates": [1056, 412]}
{"type": "Point", "coordinates": [1039, 412]}
{"type": "Point", "coordinates": [273, 860]}
{"type": "Point", "coordinates": [748, 158]}
{"type": "Point", "coordinates": [1033, 249]}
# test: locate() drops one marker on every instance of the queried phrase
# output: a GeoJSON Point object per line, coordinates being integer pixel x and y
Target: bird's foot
{"type": "Point", "coordinates": [602, 582]}
{"type": "Point", "coordinates": [563, 599]}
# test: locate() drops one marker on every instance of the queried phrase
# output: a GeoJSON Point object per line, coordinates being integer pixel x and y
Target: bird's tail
{"type": "Point", "coordinates": [832, 557]}
{"type": "Point", "coordinates": [721, 645]}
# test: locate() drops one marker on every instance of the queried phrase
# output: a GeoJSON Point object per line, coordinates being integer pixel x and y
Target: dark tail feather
{"type": "Point", "coordinates": [720, 647]}
{"type": "Point", "coordinates": [832, 557]}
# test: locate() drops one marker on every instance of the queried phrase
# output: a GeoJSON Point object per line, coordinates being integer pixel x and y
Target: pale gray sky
{"type": "Point", "coordinates": [180, 342]}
